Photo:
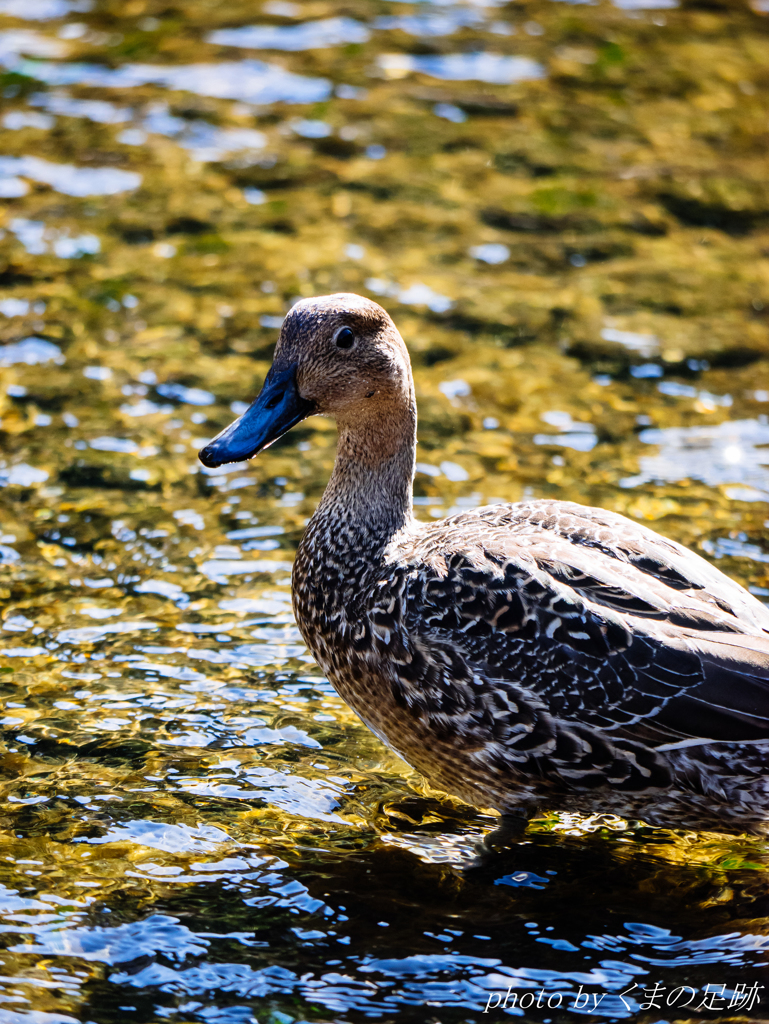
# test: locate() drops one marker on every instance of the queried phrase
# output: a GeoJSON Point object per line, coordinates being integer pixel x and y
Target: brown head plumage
{"type": "Point", "coordinates": [347, 352]}
{"type": "Point", "coordinates": [337, 355]}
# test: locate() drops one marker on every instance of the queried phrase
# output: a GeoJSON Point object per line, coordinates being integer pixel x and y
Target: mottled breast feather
{"type": "Point", "coordinates": [542, 640]}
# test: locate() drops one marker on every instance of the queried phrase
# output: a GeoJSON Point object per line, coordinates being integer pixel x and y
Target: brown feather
{"type": "Point", "coordinates": [528, 655]}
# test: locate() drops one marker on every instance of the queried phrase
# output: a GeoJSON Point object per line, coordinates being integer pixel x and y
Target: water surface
{"type": "Point", "coordinates": [564, 206]}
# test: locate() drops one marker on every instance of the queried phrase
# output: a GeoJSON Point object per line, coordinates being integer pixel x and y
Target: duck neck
{"type": "Point", "coordinates": [368, 499]}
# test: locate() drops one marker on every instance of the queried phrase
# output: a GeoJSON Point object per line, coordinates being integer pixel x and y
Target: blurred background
{"type": "Point", "coordinates": [565, 207]}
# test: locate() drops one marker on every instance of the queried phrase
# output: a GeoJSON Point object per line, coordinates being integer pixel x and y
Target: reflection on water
{"type": "Point", "coordinates": [310, 35]}
{"type": "Point", "coordinates": [43, 10]}
{"type": "Point", "coordinates": [72, 181]}
{"type": "Point", "coordinates": [479, 67]}
{"type": "Point", "coordinates": [193, 826]}
{"type": "Point", "coordinates": [734, 452]}
{"type": "Point", "coordinates": [252, 81]}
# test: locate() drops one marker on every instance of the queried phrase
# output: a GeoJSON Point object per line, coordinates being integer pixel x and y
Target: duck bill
{"type": "Point", "coordinates": [276, 409]}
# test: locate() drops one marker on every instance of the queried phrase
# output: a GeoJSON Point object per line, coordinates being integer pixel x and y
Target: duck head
{"type": "Point", "coordinates": [337, 355]}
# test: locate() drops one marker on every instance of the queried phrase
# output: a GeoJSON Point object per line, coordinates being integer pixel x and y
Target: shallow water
{"type": "Point", "coordinates": [565, 208]}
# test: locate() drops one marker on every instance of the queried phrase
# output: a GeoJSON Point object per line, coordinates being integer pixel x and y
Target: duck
{"type": "Point", "coordinates": [523, 657]}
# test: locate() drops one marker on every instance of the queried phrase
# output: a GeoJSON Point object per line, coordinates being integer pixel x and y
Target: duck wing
{"type": "Point", "coordinates": [576, 638]}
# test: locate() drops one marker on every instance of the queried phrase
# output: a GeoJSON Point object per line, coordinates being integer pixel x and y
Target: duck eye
{"type": "Point", "coordinates": [345, 338]}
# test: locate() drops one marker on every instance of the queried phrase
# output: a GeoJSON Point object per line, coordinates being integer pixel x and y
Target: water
{"type": "Point", "coordinates": [565, 209]}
